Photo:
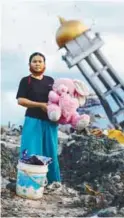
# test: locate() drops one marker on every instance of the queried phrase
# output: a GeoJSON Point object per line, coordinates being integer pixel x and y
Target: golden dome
{"type": "Point", "coordinates": [68, 31]}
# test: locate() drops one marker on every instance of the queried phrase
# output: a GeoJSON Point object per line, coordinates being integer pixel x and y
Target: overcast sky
{"type": "Point", "coordinates": [29, 26]}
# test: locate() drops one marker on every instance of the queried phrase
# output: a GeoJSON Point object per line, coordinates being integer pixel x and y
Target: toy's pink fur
{"type": "Point", "coordinates": [64, 100]}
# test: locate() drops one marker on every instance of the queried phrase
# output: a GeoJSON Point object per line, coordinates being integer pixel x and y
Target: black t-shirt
{"type": "Point", "coordinates": [35, 90]}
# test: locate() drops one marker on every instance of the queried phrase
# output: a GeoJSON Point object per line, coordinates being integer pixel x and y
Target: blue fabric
{"type": "Point", "coordinates": [40, 137]}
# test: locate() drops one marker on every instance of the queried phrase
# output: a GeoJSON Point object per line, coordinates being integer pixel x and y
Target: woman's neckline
{"type": "Point", "coordinates": [37, 78]}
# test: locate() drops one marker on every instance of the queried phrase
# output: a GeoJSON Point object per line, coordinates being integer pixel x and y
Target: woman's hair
{"type": "Point", "coordinates": [36, 53]}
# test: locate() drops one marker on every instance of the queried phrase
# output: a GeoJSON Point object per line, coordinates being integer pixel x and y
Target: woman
{"type": "Point", "coordinates": [39, 134]}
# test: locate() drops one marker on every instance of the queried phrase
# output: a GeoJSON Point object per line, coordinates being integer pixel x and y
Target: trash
{"type": "Point", "coordinates": [54, 186]}
{"type": "Point", "coordinates": [97, 132]}
{"type": "Point", "coordinates": [115, 134]}
{"type": "Point", "coordinates": [100, 116]}
{"type": "Point", "coordinates": [35, 159]}
{"type": "Point", "coordinates": [89, 190]}
{"type": "Point", "coordinates": [108, 212]}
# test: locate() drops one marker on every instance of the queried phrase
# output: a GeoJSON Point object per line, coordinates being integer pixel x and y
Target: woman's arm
{"type": "Point", "coordinates": [30, 104]}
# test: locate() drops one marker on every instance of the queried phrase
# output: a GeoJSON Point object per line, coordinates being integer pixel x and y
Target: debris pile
{"type": "Point", "coordinates": [92, 170]}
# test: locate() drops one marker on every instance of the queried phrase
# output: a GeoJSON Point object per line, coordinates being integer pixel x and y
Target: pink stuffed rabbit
{"type": "Point", "coordinates": [67, 95]}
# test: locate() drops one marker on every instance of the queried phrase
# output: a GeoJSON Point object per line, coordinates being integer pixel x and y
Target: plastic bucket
{"type": "Point", "coordinates": [31, 180]}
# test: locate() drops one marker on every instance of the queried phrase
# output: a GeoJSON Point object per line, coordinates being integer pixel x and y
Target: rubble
{"type": "Point", "coordinates": [92, 170]}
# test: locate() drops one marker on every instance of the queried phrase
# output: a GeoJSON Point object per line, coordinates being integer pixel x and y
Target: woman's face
{"type": "Point", "coordinates": [37, 64]}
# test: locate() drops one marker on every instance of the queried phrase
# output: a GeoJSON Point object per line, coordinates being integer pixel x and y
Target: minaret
{"type": "Point", "coordinates": [83, 50]}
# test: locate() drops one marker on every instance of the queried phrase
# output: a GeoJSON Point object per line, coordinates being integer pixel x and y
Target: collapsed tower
{"type": "Point", "coordinates": [83, 50]}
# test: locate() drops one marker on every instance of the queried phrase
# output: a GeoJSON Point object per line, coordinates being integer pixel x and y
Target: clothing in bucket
{"type": "Point", "coordinates": [35, 159]}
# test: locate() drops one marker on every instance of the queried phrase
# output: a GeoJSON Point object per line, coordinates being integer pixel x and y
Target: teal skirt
{"type": "Point", "coordinates": [40, 137]}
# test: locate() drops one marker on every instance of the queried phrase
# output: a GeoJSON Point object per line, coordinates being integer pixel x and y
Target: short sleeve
{"type": "Point", "coordinates": [52, 80]}
{"type": "Point", "coordinates": [23, 89]}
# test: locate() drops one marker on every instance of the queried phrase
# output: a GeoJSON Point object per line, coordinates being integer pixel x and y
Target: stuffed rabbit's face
{"type": "Point", "coordinates": [62, 89]}
{"type": "Point", "coordinates": [68, 83]}
{"type": "Point", "coordinates": [76, 88]}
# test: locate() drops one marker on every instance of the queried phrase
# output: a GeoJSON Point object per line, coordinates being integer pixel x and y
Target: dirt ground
{"type": "Point", "coordinates": [61, 202]}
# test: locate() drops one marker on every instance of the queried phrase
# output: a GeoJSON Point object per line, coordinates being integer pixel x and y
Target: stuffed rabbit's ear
{"type": "Point", "coordinates": [81, 88]}
{"type": "Point", "coordinates": [81, 100]}
{"type": "Point", "coordinates": [81, 91]}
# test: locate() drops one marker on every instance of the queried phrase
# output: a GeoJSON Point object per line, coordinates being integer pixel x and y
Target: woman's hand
{"type": "Point", "coordinates": [44, 106]}
{"type": "Point", "coordinates": [32, 104]}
